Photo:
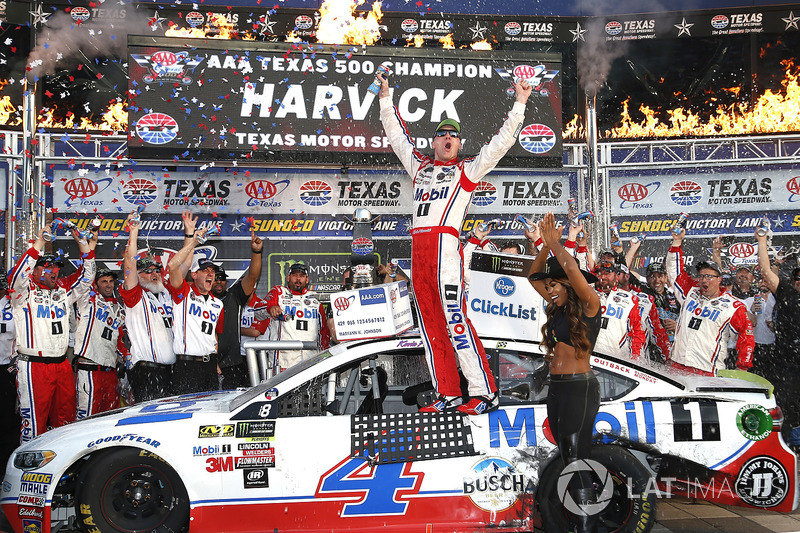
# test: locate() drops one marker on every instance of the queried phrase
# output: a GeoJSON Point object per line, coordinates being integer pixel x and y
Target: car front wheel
{"type": "Point", "coordinates": [630, 506]}
{"type": "Point", "coordinates": [129, 489]}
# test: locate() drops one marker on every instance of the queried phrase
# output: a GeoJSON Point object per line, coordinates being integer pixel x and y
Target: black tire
{"type": "Point", "coordinates": [128, 490]}
{"type": "Point", "coordinates": [623, 514]}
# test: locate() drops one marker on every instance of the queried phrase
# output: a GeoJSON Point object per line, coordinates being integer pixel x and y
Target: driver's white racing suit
{"type": "Point", "coordinates": [442, 194]}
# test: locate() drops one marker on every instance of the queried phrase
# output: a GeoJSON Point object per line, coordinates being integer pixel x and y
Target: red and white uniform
{"type": "Point", "coordinates": [621, 332]}
{"type": "Point", "coordinates": [98, 339]}
{"type": "Point", "coordinates": [303, 319]}
{"type": "Point", "coordinates": [45, 382]}
{"type": "Point", "coordinates": [442, 194]}
{"type": "Point", "coordinates": [149, 327]}
{"type": "Point", "coordinates": [704, 323]}
{"type": "Point", "coordinates": [194, 320]}
{"type": "Point", "coordinates": [651, 323]}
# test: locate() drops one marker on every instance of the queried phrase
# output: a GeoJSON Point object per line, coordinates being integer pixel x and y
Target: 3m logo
{"type": "Point", "coordinates": [219, 464]}
{"type": "Point", "coordinates": [226, 430]}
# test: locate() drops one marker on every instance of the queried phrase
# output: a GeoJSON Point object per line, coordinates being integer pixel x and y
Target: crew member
{"type": "Point", "coordinates": [443, 187]}
{"type": "Point", "coordinates": [147, 321]}
{"type": "Point", "coordinates": [98, 345]}
{"type": "Point", "coordinates": [195, 315]}
{"type": "Point", "coordinates": [621, 332]}
{"type": "Point", "coordinates": [709, 312]}
{"type": "Point", "coordinates": [297, 315]}
{"type": "Point", "coordinates": [42, 305]}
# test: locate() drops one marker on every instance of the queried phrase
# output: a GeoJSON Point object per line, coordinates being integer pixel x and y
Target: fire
{"type": "Point", "coordinates": [339, 25]}
{"type": "Point", "coordinates": [217, 27]}
{"type": "Point", "coordinates": [6, 110]}
{"type": "Point", "coordinates": [447, 42]}
{"type": "Point", "coordinates": [417, 41]}
{"type": "Point", "coordinates": [481, 45]}
{"type": "Point", "coordinates": [574, 130]}
{"type": "Point", "coordinates": [114, 119]}
{"type": "Point", "coordinates": [773, 112]}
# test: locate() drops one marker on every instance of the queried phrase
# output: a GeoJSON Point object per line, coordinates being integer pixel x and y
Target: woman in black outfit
{"type": "Point", "coordinates": [573, 322]}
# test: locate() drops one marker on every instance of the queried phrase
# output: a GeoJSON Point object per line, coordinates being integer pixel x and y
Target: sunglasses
{"type": "Point", "coordinates": [221, 278]}
{"type": "Point", "coordinates": [707, 277]}
{"type": "Point", "coordinates": [150, 270]}
{"type": "Point", "coordinates": [442, 133]}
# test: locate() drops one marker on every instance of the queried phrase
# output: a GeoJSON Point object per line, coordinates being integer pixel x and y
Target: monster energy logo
{"type": "Point", "coordinates": [495, 264]}
{"type": "Point", "coordinates": [255, 429]}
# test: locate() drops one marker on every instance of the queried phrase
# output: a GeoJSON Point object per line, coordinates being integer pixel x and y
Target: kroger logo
{"type": "Point", "coordinates": [504, 286]}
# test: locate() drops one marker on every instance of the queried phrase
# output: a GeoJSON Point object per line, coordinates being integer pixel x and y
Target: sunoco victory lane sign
{"type": "Point", "coordinates": [291, 102]}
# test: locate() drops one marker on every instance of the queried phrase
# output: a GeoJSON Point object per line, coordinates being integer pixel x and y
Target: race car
{"type": "Point", "coordinates": [336, 443]}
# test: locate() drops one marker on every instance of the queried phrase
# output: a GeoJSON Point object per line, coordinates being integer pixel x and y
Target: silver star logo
{"type": "Point", "coordinates": [39, 16]}
{"type": "Point", "coordinates": [236, 226]}
{"type": "Point", "coordinates": [156, 21]}
{"type": "Point", "coordinates": [478, 31]}
{"type": "Point", "coordinates": [577, 33]}
{"type": "Point", "coordinates": [778, 222]}
{"type": "Point", "coordinates": [266, 26]}
{"type": "Point", "coordinates": [791, 21]}
{"type": "Point", "coordinates": [683, 27]}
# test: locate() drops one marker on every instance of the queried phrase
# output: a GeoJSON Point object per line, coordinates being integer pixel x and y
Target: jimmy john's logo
{"type": "Point", "coordinates": [226, 430]}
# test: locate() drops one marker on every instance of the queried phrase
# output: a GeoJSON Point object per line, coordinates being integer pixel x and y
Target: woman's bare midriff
{"type": "Point", "coordinates": [565, 362]}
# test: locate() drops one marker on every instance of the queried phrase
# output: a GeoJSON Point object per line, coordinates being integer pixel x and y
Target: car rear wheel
{"type": "Point", "coordinates": [631, 507]}
{"type": "Point", "coordinates": [129, 489]}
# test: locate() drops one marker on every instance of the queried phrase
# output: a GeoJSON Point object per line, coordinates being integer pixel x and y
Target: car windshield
{"type": "Point", "coordinates": [277, 379]}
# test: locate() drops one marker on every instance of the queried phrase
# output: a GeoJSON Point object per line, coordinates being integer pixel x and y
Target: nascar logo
{"type": "Point", "coordinates": [409, 25]}
{"type": "Point", "coordinates": [513, 28]}
{"type": "Point", "coordinates": [613, 28]}
{"type": "Point", "coordinates": [719, 22]}
{"type": "Point", "coordinates": [303, 22]}
{"type": "Point", "coordinates": [485, 194]}
{"type": "Point", "coordinates": [139, 191]}
{"type": "Point", "coordinates": [79, 14]}
{"type": "Point", "coordinates": [194, 19]}
{"type": "Point", "coordinates": [157, 128]}
{"type": "Point", "coordinates": [686, 193]}
{"type": "Point", "coordinates": [315, 193]}
{"type": "Point", "coordinates": [537, 138]}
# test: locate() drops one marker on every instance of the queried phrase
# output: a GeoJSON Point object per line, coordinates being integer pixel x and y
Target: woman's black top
{"type": "Point", "coordinates": [558, 328]}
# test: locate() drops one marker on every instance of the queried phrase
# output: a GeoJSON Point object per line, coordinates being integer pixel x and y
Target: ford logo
{"type": "Point", "coordinates": [504, 286]}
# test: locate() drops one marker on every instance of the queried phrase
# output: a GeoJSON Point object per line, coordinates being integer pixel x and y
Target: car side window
{"type": "Point", "coordinates": [383, 383]}
{"type": "Point", "coordinates": [521, 377]}
{"type": "Point", "coordinates": [613, 386]}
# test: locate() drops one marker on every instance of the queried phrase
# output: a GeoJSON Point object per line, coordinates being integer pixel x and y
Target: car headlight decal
{"type": "Point", "coordinates": [33, 459]}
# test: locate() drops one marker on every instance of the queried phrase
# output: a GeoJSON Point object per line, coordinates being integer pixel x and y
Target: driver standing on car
{"type": "Point", "coordinates": [443, 187]}
{"type": "Point", "coordinates": [709, 312]}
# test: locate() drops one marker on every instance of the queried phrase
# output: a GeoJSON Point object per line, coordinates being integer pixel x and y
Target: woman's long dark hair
{"type": "Point", "coordinates": [573, 310]}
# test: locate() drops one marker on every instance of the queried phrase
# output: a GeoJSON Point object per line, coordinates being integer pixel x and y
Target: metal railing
{"type": "Point", "coordinates": [261, 364]}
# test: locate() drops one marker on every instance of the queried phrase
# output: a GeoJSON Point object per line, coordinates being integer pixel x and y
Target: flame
{"type": "Point", "coordinates": [217, 27]}
{"type": "Point", "coordinates": [339, 25]}
{"type": "Point", "coordinates": [481, 45]}
{"type": "Point", "coordinates": [114, 119]}
{"type": "Point", "coordinates": [773, 112]}
{"type": "Point", "coordinates": [447, 42]}
{"type": "Point", "coordinates": [574, 130]}
{"type": "Point", "coordinates": [417, 41]}
{"type": "Point", "coordinates": [6, 110]}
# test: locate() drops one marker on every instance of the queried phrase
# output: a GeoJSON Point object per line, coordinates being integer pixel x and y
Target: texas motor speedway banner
{"type": "Point", "coordinates": [227, 100]}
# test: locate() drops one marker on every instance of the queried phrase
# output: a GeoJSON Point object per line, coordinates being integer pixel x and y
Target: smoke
{"type": "Point", "coordinates": [596, 53]}
{"type": "Point", "coordinates": [62, 42]}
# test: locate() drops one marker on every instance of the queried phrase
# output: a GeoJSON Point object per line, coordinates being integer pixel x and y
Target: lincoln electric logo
{"type": "Point", "coordinates": [504, 286]}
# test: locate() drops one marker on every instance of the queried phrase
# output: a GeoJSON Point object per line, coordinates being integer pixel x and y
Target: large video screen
{"type": "Point", "coordinates": [195, 100]}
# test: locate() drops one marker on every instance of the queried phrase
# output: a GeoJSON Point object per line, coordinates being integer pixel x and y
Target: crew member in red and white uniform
{"type": "Point", "coordinates": [42, 305]}
{"type": "Point", "coordinates": [709, 312]}
{"type": "Point", "coordinates": [194, 327]}
{"type": "Point", "coordinates": [255, 322]}
{"type": "Point", "coordinates": [443, 187]}
{"type": "Point", "coordinates": [621, 332]}
{"type": "Point", "coordinates": [9, 422]}
{"type": "Point", "coordinates": [98, 346]}
{"type": "Point", "coordinates": [148, 323]}
{"type": "Point", "coordinates": [656, 340]}
{"type": "Point", "coordinates": [297, 315]}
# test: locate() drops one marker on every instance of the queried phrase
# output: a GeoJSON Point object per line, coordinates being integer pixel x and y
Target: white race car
{"type": "Point", "coordinates": [337, 444]}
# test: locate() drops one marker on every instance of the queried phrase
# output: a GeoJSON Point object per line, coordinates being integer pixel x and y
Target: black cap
{"type": "Point", "coordinates": [707, 263]}
{"type": "Point", "coordinates": [204, 264]}
{"type": "Point", "coordinates": [221, 273]}
{"type": "Point", "coordinates": [145, 263]}
{"type": "Point", "coordinates": [102, 272]}
{"type": "Point", "coordinates": [727, 279]}
{"type": "Point", "coordinates": [49, 260]}
{"type": "Point", "coordinates": [554, 270]}
{"type": "Point", "coordinates": [656, 267]}
{"type": "Point", "coordinates": [795, 272]}
{"type": "Point", "coordinates": [606, 265]}
{"type": "Point", "coordinates": [300, 267]}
